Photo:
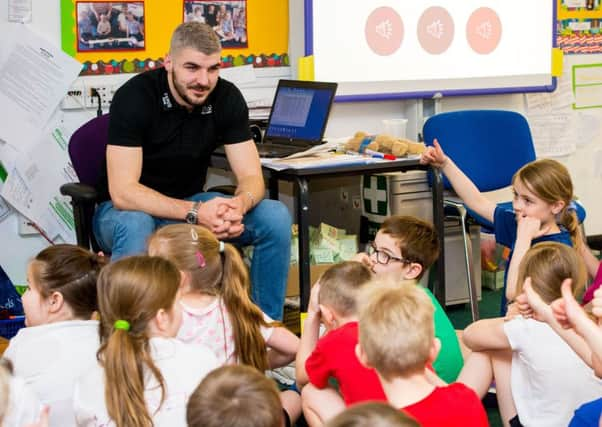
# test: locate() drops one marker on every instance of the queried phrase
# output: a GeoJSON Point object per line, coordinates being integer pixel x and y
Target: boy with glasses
{"type": "Point", "coordinates": [405, 247]}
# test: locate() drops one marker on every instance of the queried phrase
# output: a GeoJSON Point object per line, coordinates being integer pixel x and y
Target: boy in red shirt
{"type": "Point", "coordinates": [333, 301]}
{"type": "Point", "coordinates": [396, 337]}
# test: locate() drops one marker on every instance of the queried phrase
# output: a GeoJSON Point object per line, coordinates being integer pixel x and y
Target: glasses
{"type": "Point", "coordinates": [383, 257]}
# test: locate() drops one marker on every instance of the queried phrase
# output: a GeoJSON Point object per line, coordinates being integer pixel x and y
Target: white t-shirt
{"type": "Point", "coordinates": [549, 381]}
{"type": "Point", "coordinates": [183, 366]}
{"type": "Point", "coordinates": [23, 405]}
{"type": "Point", "coordinates": [211, 326]}
{"type": "Point", "coordinates": [50, 358]}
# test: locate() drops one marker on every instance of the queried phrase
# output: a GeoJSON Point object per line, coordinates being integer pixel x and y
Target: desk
{"type": "Point", "coordinates": [301, 178]}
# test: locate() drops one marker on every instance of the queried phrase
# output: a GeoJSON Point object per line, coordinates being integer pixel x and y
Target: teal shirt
{"type": "Point", "coordinates": [449, 362]}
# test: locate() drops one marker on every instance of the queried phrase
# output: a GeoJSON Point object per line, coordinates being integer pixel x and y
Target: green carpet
{"type": "Point", "coordinates": [489, 306]}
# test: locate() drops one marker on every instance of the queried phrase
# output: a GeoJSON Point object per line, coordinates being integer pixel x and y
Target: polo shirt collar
{"type": "Point", "coordinates": [169, 103]}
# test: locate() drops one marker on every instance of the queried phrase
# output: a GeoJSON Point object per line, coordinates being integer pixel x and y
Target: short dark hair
{"type": "Point", "coordinates": [72, 271]}
{"type": "Point", "coordinates": [195, 35]}
{"type": "Point", "coordinates": [417, 239]}
{"type": "Point", "coordinates": [235, 395]}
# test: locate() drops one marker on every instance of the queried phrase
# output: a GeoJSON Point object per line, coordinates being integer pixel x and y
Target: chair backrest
{"type": "Point", "coordinates": [489, 146]}
{"type": "Point", "coordinates": [87, 148]}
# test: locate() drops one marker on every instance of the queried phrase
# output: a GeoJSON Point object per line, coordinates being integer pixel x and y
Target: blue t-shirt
{"type": "Point", "coordinates": [504, 225]}
{"type": "Point", "coordinates": [587, 415]}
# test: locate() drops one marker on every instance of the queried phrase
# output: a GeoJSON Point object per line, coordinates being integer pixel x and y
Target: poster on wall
{"type": "Point", "coordinates": [579, 26]}
{"type": "Point", "coordinates": [134, 35]}
{"type": "Point", "coordinates": [110, 26]}
{"type": "Point", "coordinates": [228, 19]}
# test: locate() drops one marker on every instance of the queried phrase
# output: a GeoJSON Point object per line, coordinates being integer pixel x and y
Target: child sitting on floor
{"type": "Point", "coordinates": [236, 395]}
{"type": "Point", "coordinates": [60, 341]}
{"type": "Point", "coordinates": [396, 337]}
{"type": "Point", "coordinates": [144, 376]}
{"type": "Point", "coordinates": [333, 301]}
{"type": "Point", "coordinates": [404, 248]}
{"type": "Point", "coordinates": [539, 378]}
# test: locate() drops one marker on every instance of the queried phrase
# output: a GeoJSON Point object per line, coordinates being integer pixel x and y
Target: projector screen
{"type": "Point", "coordinates": [420, 48]}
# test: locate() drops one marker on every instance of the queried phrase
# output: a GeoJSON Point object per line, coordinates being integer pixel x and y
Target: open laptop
{"type": "Point", "coordinates": [298, 117]}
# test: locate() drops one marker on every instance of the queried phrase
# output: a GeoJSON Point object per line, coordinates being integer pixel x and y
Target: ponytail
{"type": "Point", "coordinates": [568, 219]}
{"type": "Point", "coordinates": [216, 268]}
{"type": "Point", "coordinates": [246, 317]}
{"type": "Point", "coordinates": [125, 358]}
{"type": "Point", "coordinates": [131, 291]}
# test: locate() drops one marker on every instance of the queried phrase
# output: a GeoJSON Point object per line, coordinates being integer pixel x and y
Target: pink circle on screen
{"type": "Point", "coordinates": [384, 31]}
{"type": "Point", "coordinates": [484, 30]}
{"type": "Point", "coordinates": [435, 30]}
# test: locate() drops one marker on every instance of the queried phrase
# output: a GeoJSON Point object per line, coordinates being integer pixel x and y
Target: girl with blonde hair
{"type": "Point", "coordinates": [539, 379]}
{"type": "Point", "coordinates": [144, 375]}
{"type": "Point", "coordinates": [542, 208]}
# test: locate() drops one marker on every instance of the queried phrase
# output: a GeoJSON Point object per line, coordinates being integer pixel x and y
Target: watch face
{"type": "Point", "coordinates": [191, 218]}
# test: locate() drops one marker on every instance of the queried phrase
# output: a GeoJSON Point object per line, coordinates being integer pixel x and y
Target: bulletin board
{"type": "Point", "coordinates": [579, 26]}
{"type": "Point", "coordinates": [425, 48]}
{"type": "Point", "coordinates": [266, 36]}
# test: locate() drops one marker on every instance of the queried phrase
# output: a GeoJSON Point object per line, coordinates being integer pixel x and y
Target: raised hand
{"type": "Point", "coordinates": [531, 304]}
{"type": "Point", "coordinates": [434, 156]}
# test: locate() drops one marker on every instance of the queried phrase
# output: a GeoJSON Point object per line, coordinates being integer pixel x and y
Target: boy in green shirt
{"type": "Point", "coordinates": [405, 247]}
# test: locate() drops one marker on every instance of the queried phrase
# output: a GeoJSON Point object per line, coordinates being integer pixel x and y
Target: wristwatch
{"type": "Point", "coordinates": [193, 214]}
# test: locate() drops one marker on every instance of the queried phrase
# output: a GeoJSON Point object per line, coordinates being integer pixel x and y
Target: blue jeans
{"type": "Point", "coordinates": [267, 229]}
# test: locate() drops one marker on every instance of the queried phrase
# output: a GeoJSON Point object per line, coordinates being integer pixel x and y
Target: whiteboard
{"type": "Point", "coordinates": [422, 48]}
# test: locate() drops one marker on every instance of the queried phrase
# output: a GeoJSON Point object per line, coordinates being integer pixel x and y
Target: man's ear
{"type": "Point", "coordinates": [413, 271]}
{"type": "Point", "coordinates": [361, 356]}
{"type": "Point", "coordinates": [168, 62]}
{"type": "Point", "coordinates": [55, 302]}
{"type": "Point", "coordinates": [434, 350]}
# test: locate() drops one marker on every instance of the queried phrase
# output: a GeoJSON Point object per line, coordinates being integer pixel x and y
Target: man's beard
{"type": "Point", "coordinates": [181, 90]}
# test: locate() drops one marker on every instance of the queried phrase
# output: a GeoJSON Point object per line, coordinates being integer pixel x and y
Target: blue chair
{"type": "Point", "coordinates": [489, 146]}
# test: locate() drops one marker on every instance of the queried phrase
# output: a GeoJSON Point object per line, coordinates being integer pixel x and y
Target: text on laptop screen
{"type": "Point", "coordinates": [299, 113]}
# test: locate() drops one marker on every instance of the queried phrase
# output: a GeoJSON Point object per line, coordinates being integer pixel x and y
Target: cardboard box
{"type": "Point", "coordinates": [292, 285]}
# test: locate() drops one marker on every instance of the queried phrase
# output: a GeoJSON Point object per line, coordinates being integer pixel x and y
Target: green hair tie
{"type": "Point", "coordinates": [122, 324]}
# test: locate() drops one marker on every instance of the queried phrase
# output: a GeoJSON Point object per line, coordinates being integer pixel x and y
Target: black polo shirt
{"type": "Point", "coordinates": [176, 143]}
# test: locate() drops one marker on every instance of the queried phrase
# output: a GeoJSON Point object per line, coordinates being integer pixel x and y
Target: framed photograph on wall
{"type": "Point", "coordinates": [110, 26]}
{"type": "Point", "coordinates": [228, 19]}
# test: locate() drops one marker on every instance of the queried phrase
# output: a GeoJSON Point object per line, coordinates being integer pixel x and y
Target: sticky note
{"type": "Point", "coordinates": [306, 68]}
{"type": "Point", "coordinates": [557, 60]}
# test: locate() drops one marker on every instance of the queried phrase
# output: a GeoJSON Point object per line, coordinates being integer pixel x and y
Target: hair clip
{"type": "Point", "coordinates": [572, 206]}
{"type": "Point", "coordinates": [221, 246]}
{"type": "Point", "coordinates": [200, 259]}
{"type": "Point", "coordinates": [194, 236]}
{"type": "Point", "coordinates": [124, 325]}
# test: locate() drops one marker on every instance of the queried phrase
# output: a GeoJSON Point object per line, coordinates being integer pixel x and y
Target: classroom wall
{"type": "Point", "coordinates": [585, 165]}
{"type": "Point", "coordinates": [346, 118]}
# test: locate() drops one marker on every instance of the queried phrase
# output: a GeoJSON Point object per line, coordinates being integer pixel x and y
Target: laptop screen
{"type": "Point", "coordinates": [300, 110]}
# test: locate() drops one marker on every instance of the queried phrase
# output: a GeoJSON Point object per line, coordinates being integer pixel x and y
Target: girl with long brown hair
{"type": "Point", "coordinates": [145, 375]}
{"type": "Point", "coordinates": [217, 308]}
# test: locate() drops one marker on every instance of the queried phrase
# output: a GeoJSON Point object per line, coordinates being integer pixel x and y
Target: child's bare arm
{"type": "Point", "coordinates": [569, 321]}
{"type": "Point", "coordinates": [283, 346]}
{"type": "Point", "coordinates": [528, 228]}
{"type": "Point", "coordinates": [591, 262]}
{"type": "Point", "coordinates": [486, 334]}
{"type": "Point", "coordinates": [462, 185]}
{"type": "Point", "coordinates": [309, 337]}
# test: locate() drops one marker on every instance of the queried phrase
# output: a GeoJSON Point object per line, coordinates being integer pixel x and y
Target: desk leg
{"type": "Point", "coordinates": [273, 187]}
{"type": "Point", "coordinates": [303, 223]}
{"type": "Point", "coordinates": [438, 218]}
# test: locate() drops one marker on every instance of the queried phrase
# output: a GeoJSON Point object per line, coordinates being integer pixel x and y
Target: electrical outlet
{"type": "Point", "coordinates": [74, 100]}
{"type": "Point", "coordinates": [106, 93]}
